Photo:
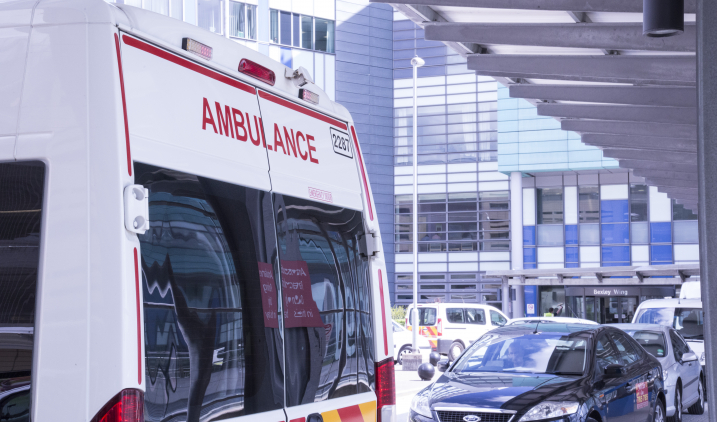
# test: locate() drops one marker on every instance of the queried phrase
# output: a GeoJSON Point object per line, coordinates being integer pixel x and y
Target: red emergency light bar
{"type": "Point", "coordinates": [255, 70]}
{"type": "Point", "coordinates": [309, 96]}
{"type": "Point", "coordinates": [201, 50]}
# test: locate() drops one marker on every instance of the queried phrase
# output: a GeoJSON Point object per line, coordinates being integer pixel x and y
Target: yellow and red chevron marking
{"type": "Point", "coordinates": [364, 412]}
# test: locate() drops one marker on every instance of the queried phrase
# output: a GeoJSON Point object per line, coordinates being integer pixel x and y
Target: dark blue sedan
{"type": "Point", "coordinates": [547, 372]}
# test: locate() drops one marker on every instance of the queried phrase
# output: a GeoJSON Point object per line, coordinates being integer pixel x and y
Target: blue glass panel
{"type": "Point", "coordinates": [615, 233]}
{"type": "Point", "coordinates": [530, 265]}
{"type": "Point", "coordinates": [528, 235]}
{"type": "Point", "coordinates": [571, 255]}
{"type": "Point", "coordinates": [571, 235]}
{"type": "Point", "coordinates": [531, 298]}
{"type": "Point", "coordinates": [614, 211]}
{"type": "Point", "coordinates": [572, 265]}
{"type": "Point", "coordinates": [660, 232]}
{"type": "Point", "coordinates": [661, 254]}
{"type": "Point", "coordinates": [615, 254]}
{"type": "Point", "coordinates": [529, 255]}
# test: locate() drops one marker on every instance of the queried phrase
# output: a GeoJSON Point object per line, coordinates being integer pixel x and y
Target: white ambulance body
{"type": "Point", "coordinates": [179, 240]}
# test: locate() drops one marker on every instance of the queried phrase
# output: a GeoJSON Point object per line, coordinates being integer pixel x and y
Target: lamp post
{"type": "Point", "coordinates": [416, 62]}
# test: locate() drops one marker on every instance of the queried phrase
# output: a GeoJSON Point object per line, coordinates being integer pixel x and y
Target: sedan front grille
{"type": "Point", "coordinates": [453, 416]}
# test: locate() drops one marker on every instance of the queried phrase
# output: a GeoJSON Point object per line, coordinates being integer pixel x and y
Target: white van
{"type": "Point", "coordinates": [186, 229]}
{"type": "Point", "coordinates": [451, 327]}
{"type": "Point", "coordinates": [684, 315]}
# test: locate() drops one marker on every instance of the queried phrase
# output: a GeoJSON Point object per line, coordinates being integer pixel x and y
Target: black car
{"type": "Point", "coordinates": [547, 372]}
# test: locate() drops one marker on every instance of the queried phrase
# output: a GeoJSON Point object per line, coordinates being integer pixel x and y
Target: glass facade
{"type": "Point", "coordinates": [611, 224]}
{"type": "Point", "coordinates": [463, 202]}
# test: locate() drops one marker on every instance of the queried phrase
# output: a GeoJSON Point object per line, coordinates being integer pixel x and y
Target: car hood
{"type": "Point", "coordinates": [502, 391]}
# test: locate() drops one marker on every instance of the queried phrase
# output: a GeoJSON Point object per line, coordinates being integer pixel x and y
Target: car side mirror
{"type": "Point", "coordinates": [615, 370]}
{"type": "Point", "coordinates": [689, 357]}
{"type": "Point", "coordinates": [443, 365]}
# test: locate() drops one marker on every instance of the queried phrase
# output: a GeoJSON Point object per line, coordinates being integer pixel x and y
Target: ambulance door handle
{"type": "Point", "coordinates": [315, 417]}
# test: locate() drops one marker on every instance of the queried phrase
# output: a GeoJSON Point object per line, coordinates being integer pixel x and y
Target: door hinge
{"type": "Point", "coordinates": [369, 245]}
{"type": "Point", "coordinates": [136, 209]}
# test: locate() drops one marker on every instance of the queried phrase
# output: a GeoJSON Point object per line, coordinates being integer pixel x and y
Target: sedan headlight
{"type": "Point", "coordinates": [419, 404]}
{"type": "Point", "coordinates": [550, 409]}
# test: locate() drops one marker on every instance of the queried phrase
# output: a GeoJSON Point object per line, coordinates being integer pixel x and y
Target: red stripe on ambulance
{"type": "Point", "coordinates": [124, 106]}
{"type": "Point", "coordinates": [302, 110]}
{"type": "Point", "coordinates": [134, 42]}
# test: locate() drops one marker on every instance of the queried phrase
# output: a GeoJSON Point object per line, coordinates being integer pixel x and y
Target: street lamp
{"type": "Point", "coordinates": [663, 18]}
{"type": "Point", "coordinates": [416, 62]}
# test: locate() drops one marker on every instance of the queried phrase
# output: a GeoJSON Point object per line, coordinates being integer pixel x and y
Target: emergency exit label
{"type": "Point", "coordinates": [342, 144]}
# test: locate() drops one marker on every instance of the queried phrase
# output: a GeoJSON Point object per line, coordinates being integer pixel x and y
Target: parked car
{"type": "Point", "coordinates": [403, 342]}
{"type": "Point", "coordinates": [451, 327]}
{"type": "Point", "coordinates": [684, 315]}
{"type": "Point", "coordinates": [549, 320]}
{"type": "Point", "coordinates": [559, 372]}
{"type": "Point", "coordinates": [682, 374]}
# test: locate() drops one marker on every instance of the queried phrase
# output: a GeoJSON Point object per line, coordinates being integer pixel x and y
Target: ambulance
{"type": "Point", "coordinates": [187, 231]}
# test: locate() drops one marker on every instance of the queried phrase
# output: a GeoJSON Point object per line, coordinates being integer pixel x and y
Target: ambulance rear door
{"type": "Point", "coordinates": [326, 285]}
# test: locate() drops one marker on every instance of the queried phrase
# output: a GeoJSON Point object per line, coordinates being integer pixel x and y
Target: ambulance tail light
{"type": "Point", "coordinates": [255, 70]}
{"type": "Point", "coordinates": [202, 50]}
{"type": "Point", "coordinates": [385, 391]}
{"type": "Point", "coordinates": [127, 406]}
{"type": "Point", "coordinates": [440, 328]}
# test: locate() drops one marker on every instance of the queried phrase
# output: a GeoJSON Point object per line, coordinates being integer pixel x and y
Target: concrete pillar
{"type": "Point", "coordinates": [707, 179]}
{"type": "Point", "coordinates": [516, 238]}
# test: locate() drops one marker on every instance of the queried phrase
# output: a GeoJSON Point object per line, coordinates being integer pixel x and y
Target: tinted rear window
{"type": "Point", "coordinates": [426, 316]}
{"type": "Point", "coordinates": [652, 341]}
{"type": "Point", "coordinates": [21, 193]}
{"type": "Point", "coordinates": [326, 297]}
{"type": "Point", "coordinates": [212, 339]}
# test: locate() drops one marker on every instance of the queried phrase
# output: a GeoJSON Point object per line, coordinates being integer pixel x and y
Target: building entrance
{"type": "Point", "coordinates": [610, 304]}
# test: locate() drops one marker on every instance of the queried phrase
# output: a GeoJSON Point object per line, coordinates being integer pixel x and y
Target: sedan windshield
{"type": "Point", "coordinates": [688, 321]}
{"type": "Point", "coordinates": [542, 353]}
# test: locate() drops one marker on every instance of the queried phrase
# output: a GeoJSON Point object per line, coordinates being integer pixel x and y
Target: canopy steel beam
{"type": "Point", "coordinates": [419, 13]}
{"type": "Point", "coordinates": [653, 165]}
{"type": "Point", "coordinates": [642, 155]}
{"type": "Point", "coordinates": [647, 114]}
{"type": "Point", "coordinates": [655, 70]}
{"type": "Point", "coordinates": [628, 6]}
{"type": "Point", "coordinates": [640, 142]}
{"type": "Point", "coordinates": [608, 36]}
{"type": "Point", "coordinates": [630, 128]}
{"type": "Point", "coordinates": [660, 181]}
{"type": "Point", "coordinates": [677, 175]}
{"type": "Point", "coordinates": [612, 94]}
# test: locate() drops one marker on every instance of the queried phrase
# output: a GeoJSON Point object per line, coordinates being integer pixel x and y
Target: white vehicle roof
{"type": "Point", "coordinates": [565, 320]}
{"type": "Point", "coordinates": [454, 305]}
{"type": "Point", "coordinates": [671, 303]}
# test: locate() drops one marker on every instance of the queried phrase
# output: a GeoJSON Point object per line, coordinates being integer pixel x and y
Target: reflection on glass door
{"type": "Point", "coordinates": [575, 307]}
{"type": "Point", "coordinates": [628, 305]}
{"type": "Point", "coordinates": [590, 312]}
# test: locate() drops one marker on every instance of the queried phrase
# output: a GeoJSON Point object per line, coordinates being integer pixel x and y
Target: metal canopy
{"type": "Point", "coordinates": [587, 64]}
{"type": "Point", "coordinates": [638, 275]}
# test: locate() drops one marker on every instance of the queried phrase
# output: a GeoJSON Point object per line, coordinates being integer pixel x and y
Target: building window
{"type": "Point", "coordinates": [679, 212]}
{"type": "Point", "coordinates": [324, 35]}
{"type": "Point", "coordinates": [550, 206]}
{"type": "Point", "coordinates": [302, 31]}
{"type": "Point", "coordinates": [210, 15]}
{"type": "Point", "coordinates": [242, 20]}
{"type": "Point", "coordinates": [589, 204]}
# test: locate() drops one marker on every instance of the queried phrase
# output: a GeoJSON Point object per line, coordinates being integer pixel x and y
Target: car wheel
{"type": "Point", "coordinates": [404, 351]}
{"type": "Point", "coordinates": [455, 351]}
{"type": "Point", "coordinates": [659, 414]}
{"type": "Point", "coordinates": [699, 407]}
{"type": "Point", "coordinates": [677, 417]}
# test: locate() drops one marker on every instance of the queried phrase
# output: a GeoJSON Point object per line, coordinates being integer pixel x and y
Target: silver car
{"type": "Point", "coordinates": [682, 372]}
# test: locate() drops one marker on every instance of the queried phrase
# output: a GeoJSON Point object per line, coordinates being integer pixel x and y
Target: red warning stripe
{"type": "Point", "coordinates": [303, 110]}
{"type": "Point", "coordinates": [124, 106]}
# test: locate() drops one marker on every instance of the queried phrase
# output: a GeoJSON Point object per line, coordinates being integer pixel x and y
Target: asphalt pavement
{"type": "Point", "coordinates": [408, 384]}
